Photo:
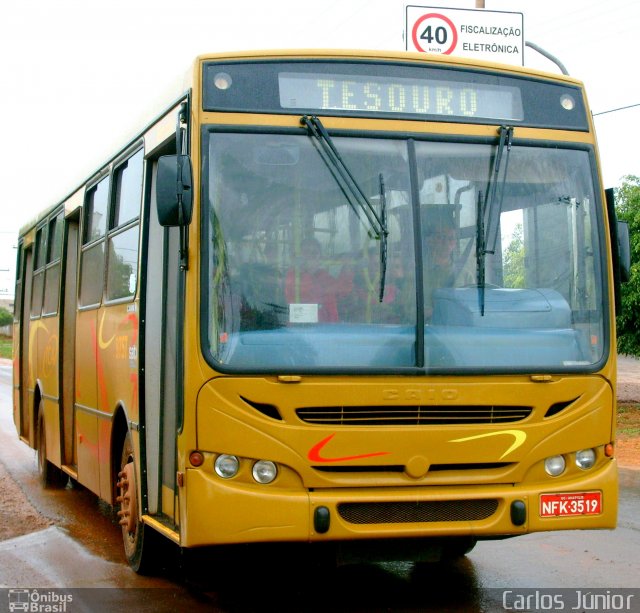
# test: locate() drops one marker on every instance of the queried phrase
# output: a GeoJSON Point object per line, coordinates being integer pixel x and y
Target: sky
{"type": "Point", "coordinates": [78, 77]}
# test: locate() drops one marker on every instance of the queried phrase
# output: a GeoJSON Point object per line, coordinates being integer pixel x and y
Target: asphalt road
{"type": "Point", "coordinates": [82, 549]}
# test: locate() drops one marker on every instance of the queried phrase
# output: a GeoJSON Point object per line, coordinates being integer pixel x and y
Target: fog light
{"type": "Point", "coordinates": [555, 465]}
{"type": "Point", "coordinates": [264, 471]}
{"type": "Point", "coordinates": [585, 458]}
{"type": "Point", "coordinates": [227, 466]}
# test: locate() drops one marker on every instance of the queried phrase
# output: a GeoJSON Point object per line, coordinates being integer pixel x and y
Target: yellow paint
{"type": "Point", "coordinates": [34, 328]}
{"type": "Point", "coordinates": [161, 528]}
{"type": "Point", "coordinates": [519, 437]}
{"type": "Point", "coordinates": [101, 342]}
{"type": "Point", "coordinates": [168, 501]}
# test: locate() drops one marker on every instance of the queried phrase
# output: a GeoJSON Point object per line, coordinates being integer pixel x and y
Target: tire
{"type": "Point", "coordinates": [141, 543]}
{"type": "Point", "coordinates": [458, 547]}
{"type": "Point", "coordinates": [50, 476]}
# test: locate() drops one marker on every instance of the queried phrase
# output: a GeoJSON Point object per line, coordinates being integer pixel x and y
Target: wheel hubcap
{"type": "Point", "coordinates": [127, 498]}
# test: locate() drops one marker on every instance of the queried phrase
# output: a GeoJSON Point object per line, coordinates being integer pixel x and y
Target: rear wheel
{"type": "Point", "coordinates": [49, 474]}
{"type": "Point", "coordinates": [140, 541]}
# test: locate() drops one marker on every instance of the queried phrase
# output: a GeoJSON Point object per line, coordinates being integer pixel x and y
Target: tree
{"type": "Point", "coordinates": [628, 320]}
{"type": "Point", "coordinates": [6, 318]}
{"type": "Point", "coordinates": [513, 268]}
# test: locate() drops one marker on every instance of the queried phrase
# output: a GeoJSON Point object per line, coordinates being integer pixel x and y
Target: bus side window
{"type": "Point", "coordinates": [122, 266]}
{"type": "Point", "coordinates": [52, 273]}
{"type": "Point", "coordinates": [17, 310]}
{"type": "Point", "coordinates": [38, 272]}
{"type": "Point", "coordinates": [92, 262]}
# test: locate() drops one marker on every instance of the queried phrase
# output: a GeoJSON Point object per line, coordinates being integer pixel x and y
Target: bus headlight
{"type": "Point", "coordinates": [585, 458]}
{"type": "Point", "coordinates": [555, 465]}
{"type": "Point", "coordinates": [264, 471]}
{"type": "Point", "coordinates": [227, 466]}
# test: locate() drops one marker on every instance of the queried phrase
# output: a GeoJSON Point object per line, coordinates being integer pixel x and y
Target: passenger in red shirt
{"type": "Point", "coordinates": [309, 283]}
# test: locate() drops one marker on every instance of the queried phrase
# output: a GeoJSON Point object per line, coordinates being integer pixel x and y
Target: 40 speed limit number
{"type": "Point", "coordinates": [435, 33]}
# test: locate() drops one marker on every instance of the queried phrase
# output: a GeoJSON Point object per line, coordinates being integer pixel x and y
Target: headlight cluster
{"type": "Point", "coordinates": [557, 464]}
{"type": "Point", "coordinates": [263, 471]}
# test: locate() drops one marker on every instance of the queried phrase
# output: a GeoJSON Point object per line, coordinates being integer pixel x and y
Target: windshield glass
{"type": "Point", "coordinates": [292, 267]}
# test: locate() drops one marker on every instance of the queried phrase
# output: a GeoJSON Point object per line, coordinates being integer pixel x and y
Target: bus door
{"type": "Point", "coordinates": [162, 379]}
{"type": "Point", "coordinates": [25, 319]}
{"type": "Point", "coordinates": [68, 335]}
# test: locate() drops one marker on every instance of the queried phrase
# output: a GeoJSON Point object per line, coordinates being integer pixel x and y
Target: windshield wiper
{"type": "Point", "coordinates": [489, 209]}
{"type": "Point", "coordinates": [376, 224]}
{"type": "Point", "coordinates": [383, 241]}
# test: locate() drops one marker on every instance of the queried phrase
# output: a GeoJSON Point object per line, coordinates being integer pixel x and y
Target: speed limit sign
{"type": "Point", "coordinates": [489, 35]}
{"type": "Point", "coordinates": [434, 33]}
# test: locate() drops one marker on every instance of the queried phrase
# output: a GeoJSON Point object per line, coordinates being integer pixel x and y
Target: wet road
{"type": "Point", "coordinates": [83, 550]}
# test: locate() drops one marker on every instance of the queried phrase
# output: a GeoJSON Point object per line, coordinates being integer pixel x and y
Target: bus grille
{"type": "Point", "coordinates": [416, 512]}
{"type": "Point", "coordinates": [413, 415]}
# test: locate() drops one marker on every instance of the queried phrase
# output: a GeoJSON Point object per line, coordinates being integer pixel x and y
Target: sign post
{"type": "Point", "coordinates": [489, 35]}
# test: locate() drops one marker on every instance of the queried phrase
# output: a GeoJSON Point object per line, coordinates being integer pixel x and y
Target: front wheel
{"type": "Point", "coordinates": [140, 541]}
{"type": "Point", "coordinates": [458, 547]}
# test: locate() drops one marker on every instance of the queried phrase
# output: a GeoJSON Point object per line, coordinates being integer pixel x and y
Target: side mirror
{"type": "Point", "coordinates": [174, 193]}
{"type": "Point", "coordinates": [624, 251]}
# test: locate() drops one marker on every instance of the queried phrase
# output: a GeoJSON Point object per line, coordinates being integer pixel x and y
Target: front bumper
{"type": "Point", "coordinates": [224, 512]}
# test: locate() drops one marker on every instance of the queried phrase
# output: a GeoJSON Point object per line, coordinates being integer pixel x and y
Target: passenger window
{"type": "Point", "coordinates": [95, 224]}
{"type": "Point", "coordinates": [38, 272]}
{"type": "Point", "coordinates": [52, 273]}
{"type": "Point", "coordinates": [92, 275]}
{"type": "Point", "coordinates": [54, 249]}
{"type": "Point", "coordinates": [40, 248]}
{"type": "Point", "coordinates": [128, 182]}
{"type": "Point", "coordinates": [123, 264]}
{"type": "Point", "coordinates": [17, 310]}
{"type": "Point", "coordinates": [122, 273]}
{"type": "Point", "coordinates": [51, 290]}
{"type": "Point", "coordinates": [96, 211]}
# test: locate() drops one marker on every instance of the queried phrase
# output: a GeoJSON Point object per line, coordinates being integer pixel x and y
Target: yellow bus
{"type": "Point", "coordinates": [356, 298]}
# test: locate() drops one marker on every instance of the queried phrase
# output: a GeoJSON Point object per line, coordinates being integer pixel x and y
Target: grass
{"type": "Point", "coordinates": [6, 350]}
{"type": "Point", "coordinates": [629, 419]}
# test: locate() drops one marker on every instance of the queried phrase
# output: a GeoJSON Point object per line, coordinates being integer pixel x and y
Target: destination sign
{"type": "Point", "coordinates": [381, 94]}
{"type": "Point", "coordinates": [403, 90]}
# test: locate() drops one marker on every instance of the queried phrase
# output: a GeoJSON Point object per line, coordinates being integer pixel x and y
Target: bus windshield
{"type": "Point", "coordinates": [291, 268]}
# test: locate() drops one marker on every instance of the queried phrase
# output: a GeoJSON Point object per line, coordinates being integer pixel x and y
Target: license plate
{"type": "Point", "coordinates": [570, 504]}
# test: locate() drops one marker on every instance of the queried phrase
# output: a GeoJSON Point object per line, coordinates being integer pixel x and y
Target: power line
{"type": "Point", "coordinates": [622, 108]}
